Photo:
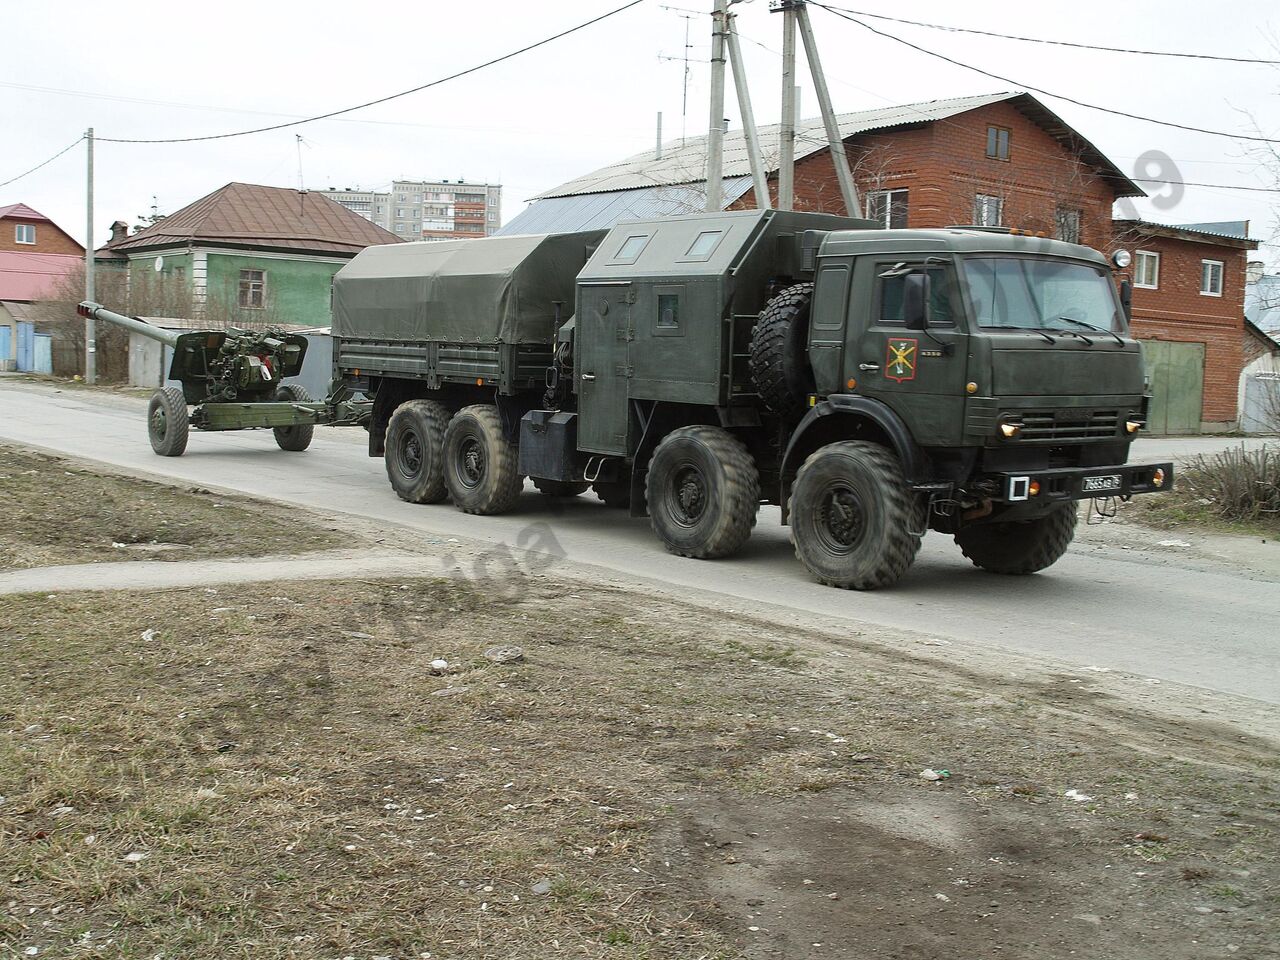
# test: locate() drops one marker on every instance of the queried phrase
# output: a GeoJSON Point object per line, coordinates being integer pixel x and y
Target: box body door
{"type": "Point", "coordinates": [602, 365]}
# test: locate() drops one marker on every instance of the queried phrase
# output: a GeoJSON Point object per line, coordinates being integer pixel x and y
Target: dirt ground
{"type": "Point", "coordinates": [279, 771]}
{"type": "Point", "coordinates": [55, 511]}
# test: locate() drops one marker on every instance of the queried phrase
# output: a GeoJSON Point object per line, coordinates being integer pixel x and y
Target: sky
{"type": "Point", "coordinates": [141, 69]}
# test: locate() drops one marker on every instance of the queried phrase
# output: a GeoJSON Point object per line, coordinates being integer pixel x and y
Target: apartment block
{"type": "Point", "coordinates": [428, 209]}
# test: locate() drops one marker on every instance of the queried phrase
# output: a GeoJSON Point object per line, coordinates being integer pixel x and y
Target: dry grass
{"type": "Point", "coordinates": [1237, 488]}
{"type": "Point", "coordinates": [54, 511]}
{"type": "Point", "coordinates": [281, 757]}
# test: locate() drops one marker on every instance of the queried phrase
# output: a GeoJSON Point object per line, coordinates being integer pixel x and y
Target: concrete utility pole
{"type": "Point", "coordinates": [848, 190]}
{"type": "Point", "coordinates": [90, 341]}
{"type": "Point", "coordinates": [758, 177]}
{"type": "Point", "coordinates": [787, 130]}
{"type": "Point", "coordinates": [715, 130]}
{"type": "Point", "coordinates": [657, 153]}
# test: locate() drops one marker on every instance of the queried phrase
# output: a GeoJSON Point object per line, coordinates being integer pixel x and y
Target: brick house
{"type": "Point", "coordinates": [1001, 159]}
{"type": "Point", "coordinates": [36, 257]}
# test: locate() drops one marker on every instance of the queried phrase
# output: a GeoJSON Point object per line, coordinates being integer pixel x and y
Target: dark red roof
{"type": "Point", "coordinates": [33, 276]}
{"type": "Point", "coordinates": [20, 211]}
{"type": "Point", "coordinates": [276, 218]}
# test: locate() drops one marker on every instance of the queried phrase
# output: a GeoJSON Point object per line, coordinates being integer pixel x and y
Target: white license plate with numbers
{"type": "Point", "coordinates": [1101, 484]}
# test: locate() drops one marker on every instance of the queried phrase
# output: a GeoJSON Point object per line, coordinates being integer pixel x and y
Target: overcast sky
{"type": "Point", "coordinates": [151, 70]}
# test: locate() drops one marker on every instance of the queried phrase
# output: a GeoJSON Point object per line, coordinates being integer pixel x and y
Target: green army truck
{"type": "Point", "coordinates": [874, 383]}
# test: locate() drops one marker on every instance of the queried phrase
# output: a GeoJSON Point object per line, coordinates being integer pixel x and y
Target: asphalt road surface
{"type": "Point", "coordinates": [1119, 601]}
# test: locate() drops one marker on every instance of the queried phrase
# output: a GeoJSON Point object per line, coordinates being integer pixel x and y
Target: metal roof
{"type": "Point", "coordinates": [600, 211]}
{"type": "Point", "coordinates": [274, 218]}
{"type": "Point", "coordinates": [1235, 229]}
{"type": "Point", "coordinates": [684, 162]}
{"type": "Point", "coordinates": [21, 211]}
{"type": "Point", "coordinates": [1227, 233]}
{"type": "Point", "coordinates": [33, 276]}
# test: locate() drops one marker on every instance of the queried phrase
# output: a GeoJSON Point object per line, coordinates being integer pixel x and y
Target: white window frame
{"type": "Point", "coordinates": [252, 288]}
{"type": "Point", "coordinates": [1138, 257]}
{"type": "Point", "coordinates": [24, 229]}
{"type": "Point", "coordinates": [983, 203]}
{"type": "Point", "coordinates": [1222, 273]}
{"type": "Point", "coordinates": [887, 196]}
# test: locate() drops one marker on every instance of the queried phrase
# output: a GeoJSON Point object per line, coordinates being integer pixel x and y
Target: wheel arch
{"type": "Point", "coordinates": [850, 418]}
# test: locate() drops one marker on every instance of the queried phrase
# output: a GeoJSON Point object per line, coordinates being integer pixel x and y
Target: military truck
{"type": "Point", "coordinates": [873, 383]}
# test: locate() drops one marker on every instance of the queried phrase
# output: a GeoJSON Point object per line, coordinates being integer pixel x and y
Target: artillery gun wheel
{"type": "Point", "coordinates": [703, 490]}
{"type": "Point", "coordinates": [167, 422]}
{"type": "Point", "coordinates": [856, 524]}
{"type": "Point", "coordinates": [297, 437]}
{"type": "Point", "coordinates": [779, 351]}
{"type": "Point", "coordinates": [481, 469]}
{"type": "Point", "coordinates": [415, 451]}
{"type": "Point", "coordinates": [559, 488]}
{"type": "Point", "coordinates": [1019, 547]}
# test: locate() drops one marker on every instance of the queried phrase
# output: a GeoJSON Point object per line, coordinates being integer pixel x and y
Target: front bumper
{"type": "Point", "coordinates": [1084, 483]}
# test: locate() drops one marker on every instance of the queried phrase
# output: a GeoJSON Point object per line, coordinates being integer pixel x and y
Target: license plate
{"type": "Point", "coordinates": [1099, 484]}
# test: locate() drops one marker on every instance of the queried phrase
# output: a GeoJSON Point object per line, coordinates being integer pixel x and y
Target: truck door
{"type": "Point", "coordinates": [920, 374]}
{"type": "Point", "coordinates": [603, 334]}
{"type": "Point", "coordinates": [827, 324]}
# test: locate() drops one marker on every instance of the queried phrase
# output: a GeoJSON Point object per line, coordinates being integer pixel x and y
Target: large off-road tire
{"type": "Point", "coordinates": [613, 493]}
{"type": "Point", "coordinates": [481, 469]}
{"type": "Point", "coordinates": [167, 422]}
{"type": "Point", "coordinates": [296, 437]}
{"type": "Point", "coordinates": [855, 521]}
{"type": "Point", "coordinates": [559, 488]}
{"type": "Point", "coordinates": [779, 356]}
{"type": "Point", "coordinates": [414, 454]}
{"type": "Point", "coordinates": [1019, 547]}
{"type": "Point", "coordinates": [703, 490]}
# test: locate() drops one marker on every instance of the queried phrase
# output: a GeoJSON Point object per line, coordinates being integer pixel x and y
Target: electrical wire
{"type": "Point", "coordinates": [1059, 43]}
{"type": "Point", "coordinates": [45, 164]}
{"type": "Point", "coordinates": [1217, 186]}
{"type": "Point", "coordinates": [1057, 96]}
{"type": "Point", "coordinates": [394, 96]}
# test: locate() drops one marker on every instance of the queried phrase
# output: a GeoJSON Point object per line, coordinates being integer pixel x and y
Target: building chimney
{"type": "Point", "coordinates": [119, 230]}
{"type": "Point", "coordinates": [1253, 272]}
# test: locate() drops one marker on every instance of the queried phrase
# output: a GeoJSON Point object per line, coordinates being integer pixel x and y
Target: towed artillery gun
{"type": "Point", "coordinates": [234, 380]}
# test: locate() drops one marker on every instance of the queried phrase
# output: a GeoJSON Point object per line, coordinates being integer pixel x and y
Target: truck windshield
{"type": "Point", "coordinates": [1028, 294]}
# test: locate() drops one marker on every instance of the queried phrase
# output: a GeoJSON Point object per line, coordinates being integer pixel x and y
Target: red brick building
{"type": "Point", "coordinates": [998, 160]}
{"type": "Point", "coordinates": [24, 230]}
{"type": "Point", "coordinates": [36, 258]}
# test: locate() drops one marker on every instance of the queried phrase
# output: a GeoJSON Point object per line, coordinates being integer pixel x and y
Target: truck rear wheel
{"type": "Point", "coordinates": [856, 523]}
{"type": "Point", "coordinates": [481, 469]}
{"type": "Point", "coordinates": [414, 453]}
{"type": "Point", "coordinates": [1019, 547]}
{"type": "Point", "coordinates": [559, 488]}
{"type": "Point", "coordinates": [297, 437]}
{"type": "Point", "coordinates": [167, 423]}
{"type": "Point", "coordinates": [703, 490]}
{"type": "Point", "coordinates": [779, 357]}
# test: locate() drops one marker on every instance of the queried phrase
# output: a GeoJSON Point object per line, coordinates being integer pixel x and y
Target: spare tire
{"type": "Point", "coordinates": [779, 359]}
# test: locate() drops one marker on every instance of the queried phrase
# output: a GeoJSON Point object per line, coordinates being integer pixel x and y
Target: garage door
{"type": "Point", "coordinates": [1176, 372]}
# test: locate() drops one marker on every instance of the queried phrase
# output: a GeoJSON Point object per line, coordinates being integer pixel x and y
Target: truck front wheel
{"type": "Point", "coordinates": [1018, 547]}
{"type": "Point", "coordinates": [481, 467]}
{"type": "Point", "coordinates": [856, 523]}
{"type": "Point", "coordinates": [415, 451]}
{"type": "Point", "coordinates": [703, 490]}
{"type": "Point", "coordinates": [167, 423]}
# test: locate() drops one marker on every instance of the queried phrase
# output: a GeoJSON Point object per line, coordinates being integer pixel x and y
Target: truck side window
{"type": "Point", "coordinates": [667, 322]}
{"type": "Point", "coordinates": [939, 298]}
{"type": "Point", "coordinates": [829, 297]}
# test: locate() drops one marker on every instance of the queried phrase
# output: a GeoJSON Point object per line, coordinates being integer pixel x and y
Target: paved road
{"type": "Point", "coordinates": [1160, 613]}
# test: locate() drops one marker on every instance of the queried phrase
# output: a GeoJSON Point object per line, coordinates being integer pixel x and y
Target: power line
{"type": "Point", "coordinates": [1216, 186]}
{"type": "Point", "coordinates": [45, 164]}
{"type": "Point", "coordinates": [1041, 90]}
{"type": "Point", "coordinates": [394, 96]}
{"type": "Point", "coordinates": [1059, 43]}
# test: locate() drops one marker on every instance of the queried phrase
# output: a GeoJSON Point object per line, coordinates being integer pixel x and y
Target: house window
{"type": "Point", "coordinates": [253, 289]}
{"type": "Point", "coordinates": [493, 201]}
{"type": "Point", "coordinates": [24, 233]}
{"type": "Point", "coordinates": [888, 207]}
{"type": "Point", "coordinates": [997, 143]}
{"type": "Point", "coordinates": [1067, 225]}
{"type": "Point", "coordinates": [180, 274]}
{"type": "Point", "coordinates": [1211, 278]}
{"type": "Point", "coordinates": [988, 211]}
{"type": "Point", "coordinates": [1146, 270]}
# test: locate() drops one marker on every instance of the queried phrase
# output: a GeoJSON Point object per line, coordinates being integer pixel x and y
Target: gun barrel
{"type": "Point", "coordinates": [88, 308]}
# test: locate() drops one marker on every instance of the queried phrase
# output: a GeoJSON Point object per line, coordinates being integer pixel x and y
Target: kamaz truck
{"type": "Point", "coordinates": [875, 384]}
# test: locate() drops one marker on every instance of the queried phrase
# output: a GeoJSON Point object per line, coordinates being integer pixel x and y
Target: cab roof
{"type": "Point", "coordinates": [960, 240]}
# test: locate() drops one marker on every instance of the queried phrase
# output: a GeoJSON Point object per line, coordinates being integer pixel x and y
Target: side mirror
{"type": "Point", "coordinates": [915, 301]}
{"type": "Point", "coordinates": [1126, 299]}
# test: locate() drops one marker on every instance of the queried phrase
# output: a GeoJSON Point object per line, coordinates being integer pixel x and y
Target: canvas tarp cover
{"type": "Point", "coordinates": [496, 289]}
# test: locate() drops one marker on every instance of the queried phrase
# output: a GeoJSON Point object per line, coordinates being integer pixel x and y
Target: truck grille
{"type": "Point", "coordinates": [1069, 424]}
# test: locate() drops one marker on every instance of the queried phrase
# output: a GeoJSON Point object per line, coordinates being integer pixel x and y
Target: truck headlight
{"type": "Point", "coordinates": [1121, 258]}
{"type": "Point", "coordinates": [1010, 429]}
{"type": "Point", "coordinates": [1133, 426]}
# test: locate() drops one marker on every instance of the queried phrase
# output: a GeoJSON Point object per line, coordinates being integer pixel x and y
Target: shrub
{"type": "Point", "coordinates": [1235, 485]}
